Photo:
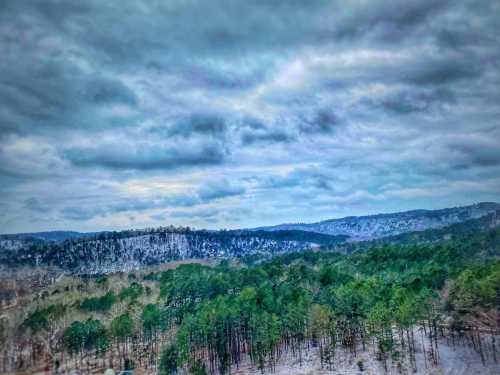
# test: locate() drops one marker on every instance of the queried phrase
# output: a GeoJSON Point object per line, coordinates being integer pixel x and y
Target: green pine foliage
{"type": "Point", "coordinates": [216, 317]}
{"type": "Point", "coordinates": [102, 304]}
{"type": "Point", "coordinates": [40, 319]}
{"type": "Point", "coordinates": [122, 327]}
{"type": "Point", "coordinates": [132, 293]}
{"type": "Point", "coordinates": [315, 296]}
{"type": "Point", "coordinates": [88, 335]}
{"type": "Point", "coordinates": [477, 287]}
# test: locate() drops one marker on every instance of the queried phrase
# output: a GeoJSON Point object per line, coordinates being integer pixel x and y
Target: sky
{"type": "Point", "coordinates": [231, 114]}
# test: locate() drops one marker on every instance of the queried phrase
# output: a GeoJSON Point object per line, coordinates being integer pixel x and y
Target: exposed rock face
{"type": "Point", "coordinates": [114, 252]}
{"type": "Point", "coordinates": [382, 225]}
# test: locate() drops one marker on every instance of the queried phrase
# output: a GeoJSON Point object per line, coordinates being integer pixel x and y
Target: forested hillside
{"type": "Point", "coordinates": [128, 250]}
{"type": "Point", "coordinates": [393, 305]}
{"type": "Point", "coordinates": [458, 231]}
{"type": "Point", "coordinates": [382, 225]}
{"type": "Point", "coordinates": [105, 252]}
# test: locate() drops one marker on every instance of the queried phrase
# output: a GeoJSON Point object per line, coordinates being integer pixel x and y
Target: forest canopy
{"type": "Point", "coordinates": [210, 319]}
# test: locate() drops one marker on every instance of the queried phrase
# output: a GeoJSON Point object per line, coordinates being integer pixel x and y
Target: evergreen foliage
{"type": "Point", "coordinates": [210, 319]}
{"type": "Point", "coordinates": [103, 303]}
{"type": "Point", "coordinates": [40, 319]}
{"type": "Point", "coordinates": [88, 335]}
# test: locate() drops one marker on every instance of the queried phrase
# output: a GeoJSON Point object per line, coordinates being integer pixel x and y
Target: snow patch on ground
{"type": "Point", "coordinates": [457, 360]}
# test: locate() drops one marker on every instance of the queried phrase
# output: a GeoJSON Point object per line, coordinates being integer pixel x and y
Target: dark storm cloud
{"type": "Point", "coordinates": [413, 100]}
{"type": "Point", "coordinates": [457, 38]}
{"type": "Point", "coordinates": [442, 71]}
{"type": "Point", "coordinates": [219, 189]}
{"type": "Point", "coordinates": [253, 123]}
{"type": "Point", "coordinates": [52, 90]}
{"type": "Point", "coordinates": [221, 79]}
{"type": "Point", "coordinates": [266, 136]}
{"type": "Point", "coordinates": [323, 121]}
{"type": "Point", "coordinates": [154, 33]}
{"type": "Point", "coordinates": [217, 27]}
{"type": "Point", "coordinates": [475, 152]}
{"type": "Point", "coordinates": [199, 124]}
{"type": "Point", "coordinates": [255, 131]}
{"type": "Point", "coordinates": [388, 22]}
{"type": "Point", "coordinates": [178, 37]}
{"type": "Point", "coordinates": [145, 157]}
{"type": "Point", "coordinates": [37, 98]}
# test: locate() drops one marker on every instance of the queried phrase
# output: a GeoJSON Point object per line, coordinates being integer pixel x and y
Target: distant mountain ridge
{"type": "Point", "coordinates": [108, 252]}
{"type": "Point", "coordinates": [356, 227]}
{"type": "Point", "coordinates": [56, 235]}
{"type": "Point", "coordinates": [454, 232]}
{"type": "Point", "coordinates": [381, 225]}
{"type": "Point", "coordinates": [105, 252]}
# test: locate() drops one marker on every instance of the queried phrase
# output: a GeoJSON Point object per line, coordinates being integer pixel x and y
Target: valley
{"type": "Point", "coordinates": [175, 300]}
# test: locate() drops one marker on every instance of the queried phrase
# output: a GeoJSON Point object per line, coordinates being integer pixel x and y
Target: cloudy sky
{"type": "Point", "coordinates": [123, 114]}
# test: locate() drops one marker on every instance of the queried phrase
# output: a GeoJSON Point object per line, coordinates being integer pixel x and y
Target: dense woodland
{"type": "Point", "coordinates": [109, 252]}
{"type": "Point", "coordinates": [204, 319]}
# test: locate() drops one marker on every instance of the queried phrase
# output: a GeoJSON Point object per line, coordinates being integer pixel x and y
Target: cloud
{"type": "Point", "coordinates": [34, 204]}
{"type": "Point", "coordinates": [323, 121]}
{"type": "Point", "coordinates": [409, 101]}
{"type": "Point", "coordinates": [306, 179]}
{"type": "Point", "coordinates": [106, 91]}
{"type": "Point", "coordinates": [296, 111]}
{"type": "Point", "coordinates": [474, 151]}
{"type": "Point", "coordinates": [442, 71]}
{"type": "Point", "coordinates": [387, 23]}
{"type": "Point", "coordinates": [146, 157]}
{"type": "Point", "coordinates": [215, 190]}
{"type": "Point", "coordinates": [199, 124]}
{"type": "Point", "coordinates": [218, 189]}
{"type": "Point", "coordinates": [273, 136]}
{"type": "Point", "coordinates": [80, 213]}
{"type": "Point", "coordinates": [48, 94]}
{"type": "Point", "coordinates": [202, 213]}
{"type": "Point", "coordinates": [124, 205]}
{"type": "Point", "coordinates": [254, 130]}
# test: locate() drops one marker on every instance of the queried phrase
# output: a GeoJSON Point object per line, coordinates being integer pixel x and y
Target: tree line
{"type": "Point", "coordinates": [392, 299]}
